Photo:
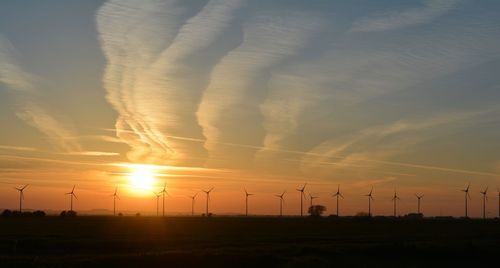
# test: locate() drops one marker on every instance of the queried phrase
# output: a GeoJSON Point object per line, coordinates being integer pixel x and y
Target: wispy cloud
{"type": "Point", "coordinates": [392, 20]}
{"type": "Point", "coordinates": [58, 134]}
{"type": "Point", "coordinates": [17, 148]}
{"type": "Point", "coordinates": [149, 82]}
{"type": "Point", "coordinates": [10, 73]}
{"type": "Point", "coordinates": [268, 39]}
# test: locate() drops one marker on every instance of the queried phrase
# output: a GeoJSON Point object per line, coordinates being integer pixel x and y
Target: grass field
{"type": "Point", "coordinates": [244, 242]}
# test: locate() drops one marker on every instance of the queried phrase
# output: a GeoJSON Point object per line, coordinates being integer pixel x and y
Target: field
{"type": "Point", "coordinates": [244, 242]}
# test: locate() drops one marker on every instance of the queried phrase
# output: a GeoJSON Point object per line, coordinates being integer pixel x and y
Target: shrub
{"type": "Point", "coordinates": [316, 210]}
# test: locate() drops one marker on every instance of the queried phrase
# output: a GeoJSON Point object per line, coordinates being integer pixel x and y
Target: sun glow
{"type": "Point", "coordinates": [142, 178]}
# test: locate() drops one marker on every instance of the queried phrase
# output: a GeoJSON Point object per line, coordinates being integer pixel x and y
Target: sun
{"type": "Point", "coordinates": [142, 177]}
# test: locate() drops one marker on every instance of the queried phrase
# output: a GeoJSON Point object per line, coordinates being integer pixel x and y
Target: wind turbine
{"type": "Point", "coordinates": [302, 196]}
{"type": "Point", "coordinates": [208, 198]}
{"type": "Point", "coordinates": [157, 203]}
{"type": "Point", "coordinates": [281, 202]}
{"type": "Point", "coordinates": [192, 203]}
{"type": "Point", "coordinates": [21, 196]}
{"type": "Point", "coordinates": [71, 195]}
{"type": "Point", "coordinates": [337, 195]}
{"type": "Point", "coordinates": [370, 198]}
{"type": "Point", "coordinates": [467, 197]}
{"type": "Point", "coordinates": [246, 201]}
{"type": "Point", "coordinates": [163, 192]}
{"type": "Point", "coordinates": [419, 197]}
{"type": "Point", "coordinates": [395, 199]}
{"type": "Point", "coordinates": [485, 198]}
{"type": "Point", "coordinates": [498, 190]}
{"type": "Point", "coordinates": [115, 196]}
{"type": "Point", "coordinates": [311, 198]}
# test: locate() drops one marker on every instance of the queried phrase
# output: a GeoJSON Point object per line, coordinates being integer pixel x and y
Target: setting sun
{"type": "Point", "coordinates": [142, 177]}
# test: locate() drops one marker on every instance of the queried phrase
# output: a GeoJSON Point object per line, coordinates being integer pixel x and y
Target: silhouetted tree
{"type": "Point", "coordinates": [7, 213]}
{"type": "Point", "coordinates": [71, 213]}
{"type": "Point", "coordinates": [362, 214]}
{"type": "Point", "coordinates": [316, 210]}
{"type": "Point", "coordinates": [39, 213]}
{"type": "Point", "coordinates": [63, 213]}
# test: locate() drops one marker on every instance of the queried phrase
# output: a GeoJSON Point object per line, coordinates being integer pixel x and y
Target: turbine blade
{"type": "Point", "coordinates": [75, 196]}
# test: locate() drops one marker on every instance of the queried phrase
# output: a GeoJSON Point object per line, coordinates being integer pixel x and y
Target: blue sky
{"type": "Point", "coordinates": [389, 93]}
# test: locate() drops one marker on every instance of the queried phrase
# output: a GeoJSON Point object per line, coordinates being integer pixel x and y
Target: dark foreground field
{"type": "Point", "coordinates": [244, 242]}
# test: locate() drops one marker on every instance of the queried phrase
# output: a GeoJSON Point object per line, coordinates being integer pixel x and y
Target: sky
{"type": "Point", "coordinates": [258, 95]}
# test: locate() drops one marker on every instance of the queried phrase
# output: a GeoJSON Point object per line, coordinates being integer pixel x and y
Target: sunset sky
{"type": "Point", "coordinates": [263, 95]}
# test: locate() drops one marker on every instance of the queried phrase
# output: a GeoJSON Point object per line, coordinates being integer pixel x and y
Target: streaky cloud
{"type": "Point", "coordinates": [268, 40]}
{"type": "Point", "coordinates": [393, 20]}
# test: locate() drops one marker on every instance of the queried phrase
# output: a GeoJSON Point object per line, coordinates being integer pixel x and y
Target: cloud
{"type": "Point", "coordinates": [393, 20]}
{"type": "Point", "coordinates": [18, 148]}
{"type": "Point", "coordinates": [11, 74]}
{"type": "Point", "coordinates": [268, 39]}
{"type": "Point", "coordinates": [148, 80]}
{"type": "Point", "coordinates": [58, 134]}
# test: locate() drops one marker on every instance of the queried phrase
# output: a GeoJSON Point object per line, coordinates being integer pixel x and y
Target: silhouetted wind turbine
{"type": "Point", "coordinates": [208, 198]}
{"type": "Point", "coordinates": [302, 196]}
{"type": "Point", "coordinates": [498, 190]}
{"type": "Point", "coordinates": [395, 199]}
{"type": "Point", "coordinates": [418, 202]}
{"type": "Point", "coordinates": [192, 203]}
{"type": "Point", "coordinates": [71, 195]}
{"type": "Point", "coordinates": [337, 195]}
{"type": "Point", "coordinates": [370, 198]}
{"type": "Point", "coordinates": [281, 202]}
{"type": "Point", "coordinates": [467, 197]}
{"type": "Point", "coordinates": [311, 197]}
{"type": "Point", "coordinates": [115, 196]}
{"type": "Point", "coordinates": [163, 192]}
{"type": "Point", "coordinates": [21, 197]}
{"type": "Point", "coordinates": [246, 201]}
{"type": "Point", "coordinates": [485, 198]}
{"type": "Point", "coordinates": [157, 203]}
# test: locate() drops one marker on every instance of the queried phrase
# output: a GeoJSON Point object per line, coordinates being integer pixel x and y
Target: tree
{"type": "Point", "coordinates": [316, 210]}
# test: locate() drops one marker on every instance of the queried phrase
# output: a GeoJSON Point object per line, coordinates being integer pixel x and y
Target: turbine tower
{"type": "Point", "coordinates": [192, 203]}
{"type": "Point", "coordinates": [337, 195]}
{"type": "Point", "coordinates": [395, 199]}
{"type": "Point", "coordinates": [163, 192]}
{"type": "Point", "coordinates": [485, 198]}
{"type": "Point", "coordinates": [311, 198]}
{"type": "Point", "coordinates": [208, 199]}
{"type": "Point", "coordinates": [246, 201]}
{"type": "Point", "coordinates": [419, 197]}
{"type": "Point", "coordinates": [21, 197]}
{"type": "Point", "coordinates": [157, 203]}
{"type": "Point", "coordinates": [71, 195]}
{"type": "Point", "coordinates": [370, 198]}
{"type": "Point", "coordinates": [115, 196]}
{"type": "Point", "coordinates": [302, 196]}
{"type": "Point", "coordinates": [280, 196]}
{"type": "Point", "coordinates": [467, 197]}
{"type": "Point", "coordinates": [498, 190]}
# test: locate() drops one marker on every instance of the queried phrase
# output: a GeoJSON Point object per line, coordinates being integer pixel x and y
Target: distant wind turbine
{"type": "Point", "coordinates": [311, 197]}
{"type": "Point", "coordinates": [208, 198]}
{"type": "Point", "coordinates": [157, 195]}
{"type": "Point", "coordinates": [485, 198]}
{"type": "Point", "coordinates": [467, 197]}
{"type": "Point", "coordinates": [71, 195]}
{"type": "Point", "coordinates": [21, 196]}
{"type": "Point", "coordinates": [370, 198]}
{"type": "Point", "coordinates": [115, 196]}
{"type": "Point", "coordinates": [337, 195]}
{"type": "Point", "coordinates": [280, 196]}
{"type": "Point", "coordinates": [498, 190]}
{"type": "Point", "coordinates": [395, 199]}
{"type": "Point", "coordinates": [419, 197]}
{"type": "Point", "coordinates": [163, 192]}
{"type": "Point", "coordinates": [246, 201]}
{"type": "Point", "coordinates": [302, 196]}
{"type": "Point", "coordinates": [192, 203]}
